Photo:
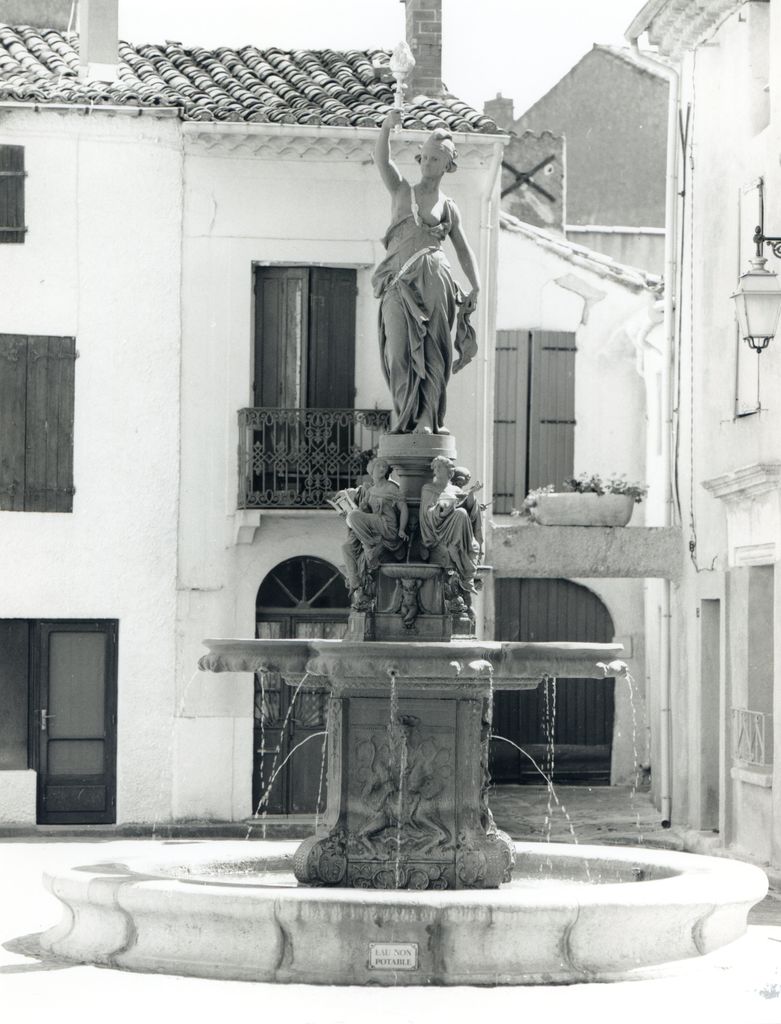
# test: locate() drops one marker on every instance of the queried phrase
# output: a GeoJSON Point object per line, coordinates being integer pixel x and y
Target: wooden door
{"type": "Point", "coordinates": [290, 726]}
{"type": "Point", "coordinates": [548, 610]}
{"type": "Point", "coordinates": [302, 597]}
{"type": "Point", "coordinates": [74, 721]}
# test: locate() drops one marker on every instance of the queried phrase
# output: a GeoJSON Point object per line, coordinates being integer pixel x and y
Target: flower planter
{"type": "Point", "coordinates": [583, 509]}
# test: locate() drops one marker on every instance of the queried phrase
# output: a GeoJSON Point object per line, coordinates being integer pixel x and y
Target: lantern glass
{"type": "Point", "coordinates": [758, 302]}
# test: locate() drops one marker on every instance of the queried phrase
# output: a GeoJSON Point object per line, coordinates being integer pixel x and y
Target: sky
{"type": "Point", "coordinates": [517, 47]}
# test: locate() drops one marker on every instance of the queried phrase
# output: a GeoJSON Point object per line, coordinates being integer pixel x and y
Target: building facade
{"type": "Point", "coordinates": [611, 110]}
{"type": "Point", "coordinates": [725, 685]}
{"type": "Point", "coordinates": [576, 354]}
{"type": "Point", "coordinates": [189, 367]}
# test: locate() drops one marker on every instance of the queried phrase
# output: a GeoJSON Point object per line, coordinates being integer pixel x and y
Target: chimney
{"type": "Point", "coordinates": [500, 110]}
{"type": "Point", "coordinates": [424, 38]}
{"type": "Point", "coordinates": [37, 13]}
{"type": "Point", "coordinates": [99, 39]}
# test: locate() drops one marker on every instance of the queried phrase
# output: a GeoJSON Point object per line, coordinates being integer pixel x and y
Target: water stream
{"type": "Point", "coordinates": [395, 727]}
{"type": "Point", "coordinates": [552, 795]}
{"type": "Point", "coordinates": [323, 758]}
{"type": "Point", "coordinates": [635, 760]}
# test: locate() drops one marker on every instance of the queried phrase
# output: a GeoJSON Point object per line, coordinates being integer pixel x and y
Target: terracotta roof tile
{"type": "Point", "coordinates": [329, 87]}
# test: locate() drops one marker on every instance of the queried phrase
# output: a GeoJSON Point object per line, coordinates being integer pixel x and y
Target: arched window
{"type": "Point", "coordinates": [301, 597]}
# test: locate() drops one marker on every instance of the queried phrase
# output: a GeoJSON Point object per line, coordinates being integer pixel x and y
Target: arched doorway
{"type": "Point", "coordinates": [301, 597]}
{"type": "Point", "coordinates": [546, 610]}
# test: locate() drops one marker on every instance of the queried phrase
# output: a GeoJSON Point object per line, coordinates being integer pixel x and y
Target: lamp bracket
{"type": "Point", "coordinates": [761, 239]}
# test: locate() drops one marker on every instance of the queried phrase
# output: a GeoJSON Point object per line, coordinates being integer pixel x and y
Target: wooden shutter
{"type": "Point", "coordinates": [281, 327]}
{"type": "Point", "coordinates": [551, 408]}
{"type": "Point", "coordinates": [331, 350]}
{"type": "Point", "coordinates": [14, 692]}
{"type": "Point", "coordinates": [49, 425]}
{"type": "Point", "coordinates": [12, 177]}
{"type": "Point", "coordinates": [13, 399]}
{"type": "Point", "coordinates": [511, 419]}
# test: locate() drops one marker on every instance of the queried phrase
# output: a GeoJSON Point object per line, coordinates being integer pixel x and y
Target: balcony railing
{"type": "Point", "coordinates": [298, 458]}
{"type": "Point", "coordinates": [752, 735]}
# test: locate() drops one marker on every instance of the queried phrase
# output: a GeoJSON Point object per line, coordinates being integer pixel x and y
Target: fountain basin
{"type": "Point", "coordinates": [234, 911]}
{"type": "Point", "coordinates": [447, 665]}
{"type": "Point", "coordinates": [409, 727]}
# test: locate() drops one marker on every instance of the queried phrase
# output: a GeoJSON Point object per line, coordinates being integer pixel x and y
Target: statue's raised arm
{"type": "Point", "coordinates": [423, 313]}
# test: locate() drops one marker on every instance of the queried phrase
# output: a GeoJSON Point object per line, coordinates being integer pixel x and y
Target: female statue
{"type": "Point", "coordinates": [378, 524]}
{"type": "Point", "coordinates": [419, 300]}
{"type": "Point", "coordinates": [448, 520]}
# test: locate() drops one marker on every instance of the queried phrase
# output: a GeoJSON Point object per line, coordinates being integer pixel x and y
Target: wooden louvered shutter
{"type": "Point", "coordinates": [510, 419]}
{"type": "Point", "coordinates": [13, 398]}
{"type": "Point", "coordinates": [331, 354]}
{"type": "Point", "coordinates": [49, 425]}
{"type": "Point", "coordinates": [12, 177]}
{"type": "Point", "coordinates": [14, 686]}
{"type": "Point", "coordinates": [281, 315]}
{"type": "Point", "coordinates": [551, 408]}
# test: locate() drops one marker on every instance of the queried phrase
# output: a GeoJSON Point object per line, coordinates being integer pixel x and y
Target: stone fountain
{"type": "Point", "coordinates": [407, 881]}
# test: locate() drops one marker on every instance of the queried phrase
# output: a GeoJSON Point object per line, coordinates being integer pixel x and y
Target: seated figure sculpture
{"type": "Point", "coordinates": [450, 528]}
{"type": "Point", "coordinates": [378, 524]}
{"type": "Point", "coordinates": [423, 314]}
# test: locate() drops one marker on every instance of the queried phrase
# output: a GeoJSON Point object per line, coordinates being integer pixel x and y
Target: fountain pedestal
{"type": "Point", "coordinates": [407, 801]}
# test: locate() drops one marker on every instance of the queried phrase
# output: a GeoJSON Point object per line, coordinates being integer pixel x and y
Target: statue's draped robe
{"type": "Point", "coordinates": [447, 526]}
{"type": "Point", "coordinates": [419, 305]}
{"type": "Point", "coordinates": [372, 529]}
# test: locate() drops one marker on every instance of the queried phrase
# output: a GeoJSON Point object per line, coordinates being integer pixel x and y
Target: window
{"type": "Point", "coordinates": [304, 337]}
{"type": "Point", "coordinates": [36, 423]}
{"type": "Point", "coordinates": [303, 438]}
{"type": "Point", "coordinates": [534, 417]}
{"type": "Point", "coordinates": [12, 177]}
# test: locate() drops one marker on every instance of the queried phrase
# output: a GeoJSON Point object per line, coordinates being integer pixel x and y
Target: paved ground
{"type": "Point", "coordinates": [740, 983]}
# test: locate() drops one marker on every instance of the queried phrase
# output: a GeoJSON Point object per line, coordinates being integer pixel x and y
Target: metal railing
{"type": "Point", "coordinates": [298, 458]}
{"type": "Point", "coordinates": [752, 737]}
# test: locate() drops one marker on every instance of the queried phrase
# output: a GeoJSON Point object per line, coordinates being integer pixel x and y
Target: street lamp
{"type": "Point", "coordinates": [758, 304]}
{"type": "Point", "coordinates": [758, 295]}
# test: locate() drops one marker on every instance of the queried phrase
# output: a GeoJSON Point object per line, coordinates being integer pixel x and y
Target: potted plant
{"type": "Point", "coordinates": [587, 500]}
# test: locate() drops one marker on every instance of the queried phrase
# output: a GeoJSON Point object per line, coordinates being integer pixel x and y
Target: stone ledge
{"type": "Point", "coordinates": [745, 483]}
{"type": "Point", "coordinates": [753, 776]}
{"type": "Point", "coordinates": [520, 549]}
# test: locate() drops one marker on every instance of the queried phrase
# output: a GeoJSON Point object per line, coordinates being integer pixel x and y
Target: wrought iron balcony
{"type": "Point", "coordinates": [752, 735]}
{"type": "Point", "coordinates": [298, 458]}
